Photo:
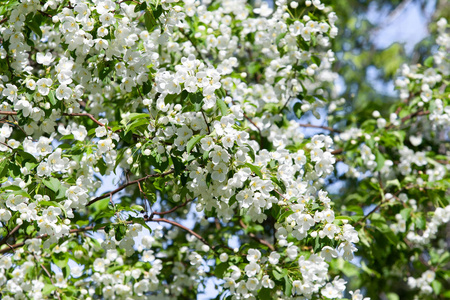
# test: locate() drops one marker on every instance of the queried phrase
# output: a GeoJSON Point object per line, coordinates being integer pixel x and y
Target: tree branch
{"type": "Point", "coordinates": [48, 274]}
{"type": "Point", "coordinates": [128, 184]}
{"type": "Point", "coordinates": [6, 145]}
{"type": "Point", "coordinates": [259, 240]}
{"type": "Point", "coordinates": [18, 245]}
{"type": "Point", "coordinates": [8, 113]}
{"type": "Point", "coordinates": [5, 239]}
{"type": "Point", "coordinates": [170, 210]}
{"type": "Point", "coordinates": [90, 116]}
{"type": "Point", "coordinates": [182, 227]}
{"type": "Point", "coordinates": [410, 116]}
{"type": "Point", "coordinates": [181, 30]}
{"type": "Point", "coordinates": [89, 228]}
{"type": "Point", "coordinates": [320, 127]}
{"type": "Point", "coordinates": [253, 123]}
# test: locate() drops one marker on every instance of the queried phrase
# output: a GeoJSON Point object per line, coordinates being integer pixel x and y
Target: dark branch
{"type": "Point", "coordinates": [128, 184]}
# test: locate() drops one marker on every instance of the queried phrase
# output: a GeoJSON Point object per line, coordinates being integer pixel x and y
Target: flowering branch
{"type": "Point", "coordinates": [90, 116]}
{"type": "Point", "coordinates": [18, 245]}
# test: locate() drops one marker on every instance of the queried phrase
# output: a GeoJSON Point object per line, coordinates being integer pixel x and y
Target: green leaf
{"type": "Point", "coordinates": [192, 142]}
{"type": "Point", "coordinates": [316, 60]}
{"type": "Point", "coordinates": [51, 98]}
{"type": "Point", "coordinates": [104, 70]}
{"type": "Point", "coordinates": [104, 214]}
{"type": "Point", "coordinates": [48, 288]}
{"type": "Point", "coordinates": [157, 11]}
{"type": "Point", "coordinates": [150, 21]}
{"type": "Point", "coordinates": [255, 169]}
{"type": "Point", "coordinates": [120, 230]}
{"type": "Point", "coordinates": [52, 183]}
{"type": "Point", "coordinates": [34, 26]}
{"type": "Point", "coordinates": [406, 213]}
{"type": "Point", "coordinates": [137, 208]}
{"type": "Point", "coordinates": [53, 203]}
{"type": "Point", "coordinates": [287, 286]}
{"type": "Point", "coordinates": [429, 62]}
{"type": "Point", "coordinates": [66, 137]}
{"type": "Point", "coordinates": [147, 86]}
{"type": "Point", "coordinates": [392, 296]}
{"type": "Point", "coordinates": [317, 244]}
{"type": "Point", "coordinates": [265, 294]}
{"type": "Point", "coordinates": [134, 116]}
{"type": "Point", "coordinates": [205, 155]}
{"type": "Point", "coordinates": [177, 165]}
{"type": "Point", "coordinates": [278, 273]}
{"type": "Point", "coordinates": [140, 221]}
{"type": "Point", "coordinates": [30, 229]}
{"type": "Point", "coordinates": [221, 269]}
{"type": "Point", "coordinates": [298, 109]}
{"type": "Point", "coordinates": [140, 7]}
{"type": "Point", "coordinates": [82, 223]}
{"type": "Point", "coordinates": [394, 183]}
{"type": "Point", "coordinates": [60, 259]}
{"type": "Point", "coordinates": [196, 98]}
{"type": "Point", "coordinates": [356, 209]}
{"type": "Point", "coordinates": [279, 37]}
{"type": "Point", "coordinates": [284, 215]}
{"type": "Point", "coordinates": [280, 183]}
{"type": "Point", "coordinates": [137, 123]}
{"type": "Point", "coordinates": [420, 222]}
{"type": "Point", "coordinates": [437, 287]}
{"type": "Point", "coordinates": [4, 167]}
{"type": "Point", "coordinates": [22, 193]}
{"type": "Point", "coordinates": [222, 106]}
{"type": "Point", "coordinates": [379, 159]}
{"type": "Point", "coordinates": [221, 93]}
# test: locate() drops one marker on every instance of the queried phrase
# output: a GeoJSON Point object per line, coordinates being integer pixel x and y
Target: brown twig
{"type": "Point", "coordinates": [128, 184]}
{"type": "Point", "coordinates": [5, 239]}
{"type": "Point", "coordinates": [410, 116]}
{"type": "Point", "coordinates": [181, 30]}
{"type": "Point", "coordinates": [5, 144]}
{"type": "Point", "coordinates": [90, 116]}
{"type": "Point", "coordinates": [207, 125]}
{"type": "Point", "coordinates": [170, 210]}
{"type": "Point", "coordinates": [253, 123]}
{"type": "Point", "coordinates": [8, 113]}
{"type": "Point", "coordinates": [48, 274]}
{"type": "Point", "coordinates": [182, 227]}
{"type": "Point", "coordinates": [259, 240]}
{"type": "Point", "coordinates": [320, 127]}
{"type": "Point", "coordinates": [337, 151]}
{"type": "Point", "coordinates": [280, 194]}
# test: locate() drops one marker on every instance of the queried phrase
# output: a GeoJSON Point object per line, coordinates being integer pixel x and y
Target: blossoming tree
{"type": "Point", "coordinates": [192, 108]}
